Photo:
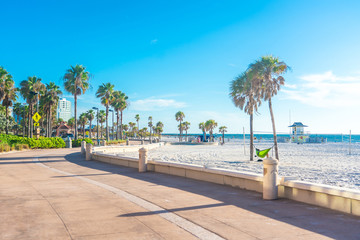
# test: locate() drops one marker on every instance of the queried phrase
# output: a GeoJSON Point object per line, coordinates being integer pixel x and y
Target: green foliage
{"type": "Point", "coordinates": [77, 143]}
{"type": "Point", "coordinates": [115, 142]}
{"type": "Point", "coordinates": [43, 142]}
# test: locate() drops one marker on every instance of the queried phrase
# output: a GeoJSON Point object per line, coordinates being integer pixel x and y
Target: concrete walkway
{"type": "Point", "coordinates": [56, 194]}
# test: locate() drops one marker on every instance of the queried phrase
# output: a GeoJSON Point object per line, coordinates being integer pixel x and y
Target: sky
{"type": "Point", "coordinates": [170, 56]}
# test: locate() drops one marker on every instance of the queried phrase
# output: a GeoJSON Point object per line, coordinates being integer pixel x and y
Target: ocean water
{"type": "Point", "coordinates": [269, 137]}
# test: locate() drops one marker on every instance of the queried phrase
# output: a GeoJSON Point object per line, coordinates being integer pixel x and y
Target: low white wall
{"type": "Point", "coordinates": [123, 149]}
{"type": "Point", "coordinates": [336, 198]}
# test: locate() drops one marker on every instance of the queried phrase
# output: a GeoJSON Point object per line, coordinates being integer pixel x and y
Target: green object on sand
{"type": "Point", "coordinates": [262, 153]}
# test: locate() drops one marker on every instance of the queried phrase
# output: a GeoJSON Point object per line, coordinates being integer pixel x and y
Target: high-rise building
{"type": "Point", "coordinates": [64, 109]}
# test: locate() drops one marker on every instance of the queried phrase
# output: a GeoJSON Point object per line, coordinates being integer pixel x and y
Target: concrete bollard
{"type": "Point", "coordinates": [270, 189]}
{"type": "Point", "coordinates": [127, 142]}
{"type": "Point", "coordinates": [142, 159]}
{"type": "Point", "coordinates": [88, 151]}
{"type": "Point", "coordinates": [68, 142]}
{"type": "Point", "coordinates": [142, 142]}
{"type": "Point", "coordinates": [83, 146]}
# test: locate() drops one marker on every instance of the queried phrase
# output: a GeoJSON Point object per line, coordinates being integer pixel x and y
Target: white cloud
{"type": "Point", "coordinates": [154, 41]}
{"type": "Point", "coordinates": [154, 104]}
{"type": "Point", "coordinates": [232, 65]}
{"type": "Point", "coordinates": [326, 90]}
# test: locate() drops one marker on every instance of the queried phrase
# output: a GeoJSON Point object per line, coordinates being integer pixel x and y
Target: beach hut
{"type": "Point", "coordinates": [298, 133]}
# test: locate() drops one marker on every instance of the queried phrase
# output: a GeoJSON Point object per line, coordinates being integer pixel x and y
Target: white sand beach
{"type": "Point", "coordinates": [326, 163]}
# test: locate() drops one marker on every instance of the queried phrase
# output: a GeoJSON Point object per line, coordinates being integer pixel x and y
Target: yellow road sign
{"type": "Point", "coordinates": [36, 124]}
{"type": "Point", "coordinates": [36, 117]}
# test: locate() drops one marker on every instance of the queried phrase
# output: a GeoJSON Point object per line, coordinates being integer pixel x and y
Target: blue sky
{"type": "Point", "coordinates": [181, 55]}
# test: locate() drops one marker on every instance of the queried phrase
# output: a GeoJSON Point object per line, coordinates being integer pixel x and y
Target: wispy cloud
{"type": "Point", "coordinates": [326, 90]}
{"type": "Point", "coordinates": [155, 104]}
{"type": "Point", "coordinates": [232, 65]}
{"type": "Point", "coordinates": [154, 41]}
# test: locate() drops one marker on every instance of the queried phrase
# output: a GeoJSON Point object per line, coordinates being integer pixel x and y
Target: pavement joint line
{"type": "Point", "coordinates": [183, 223]}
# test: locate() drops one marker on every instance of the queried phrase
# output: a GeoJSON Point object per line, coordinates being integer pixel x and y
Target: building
{"type": "Point", "coordinates": [298, 133]}
{"type": "Point", "coordinates": [64, 109]}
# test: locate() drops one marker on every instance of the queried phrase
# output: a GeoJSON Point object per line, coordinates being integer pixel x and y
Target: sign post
{"type": "Point", "coordinates": [36, 117]}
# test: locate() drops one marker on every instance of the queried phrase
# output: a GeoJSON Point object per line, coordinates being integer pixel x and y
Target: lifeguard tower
{"type": "Point", "coordinates": [298, 133]}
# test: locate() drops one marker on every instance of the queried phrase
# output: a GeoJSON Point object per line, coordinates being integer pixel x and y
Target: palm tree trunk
{"type": "Point", "coordinates": [204, 136]}
{"type": "Point", "coordinates": [107, 124]}
{"type": "Point", "coordinates": [223, 137]}
{"type": "Point", "coordinates": [84, 131]}
{"type": "Point", "coordinates": [90, 129]}
{"type": "Point", "coordinates": [7, 121]}
{"type": "Point", "coordinates": [31, 122]}
{"type": "Point", "coordinates": [180, 138]}
{"type": "Point", "coordinates": [50, 128]}
{"type": "Point", "coordinates": [251, 138]}
{"type": "Point", "coordinates": [274, 130]}
{"type": "Point", "coordinates": [118, 130]}
{"type": "Point", "coordinates": [75, 104]}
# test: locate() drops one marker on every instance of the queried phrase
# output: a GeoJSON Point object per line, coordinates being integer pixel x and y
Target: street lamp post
{"type": "Point", "coordinates": [97, 124]}
{"type": "Point", "coordinates": [110, 110]}
{"type": "Point", "coordinates": [23, 108]}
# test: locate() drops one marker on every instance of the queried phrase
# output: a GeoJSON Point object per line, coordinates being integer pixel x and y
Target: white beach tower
{"type": "Point", "coordinates": [298, 133]}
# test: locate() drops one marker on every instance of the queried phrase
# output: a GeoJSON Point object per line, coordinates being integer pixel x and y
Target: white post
{"type": "Point", "coordinates": [142, 160]}
{"type": "Point", "coordinates": [83, 146]}
{"type": "Point", "coordinates": [88, 151]}
{"type": "Point", "coordinates": [270, 189]}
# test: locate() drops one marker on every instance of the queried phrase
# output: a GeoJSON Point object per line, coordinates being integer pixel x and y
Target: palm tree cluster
{"type": "Point", "coordinates": [35, 92]}
{"type": "Point", "coordinates": [260, 82]}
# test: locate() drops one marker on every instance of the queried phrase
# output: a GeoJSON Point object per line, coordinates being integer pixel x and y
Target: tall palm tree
{"type": "Point", "coordinates": [268, 70]}
{"type": "Point", "coordinates": [223, 130]}
{"type": "Point", "coordinates": [51, 99]}
{"type": "Point", "coordinates": [186, 128]}
{"type": "Point", "coordinates": [179, 116]}
{"type": "Point", "coordinates": [137, 118]}
{"type": "Point", "coordinates": [105, 93]}
{"type": "Point", "coordinates": [82, 121]}
{"type": "Point", "coordinates": [8, 98]}
{"type": "Point", "coordinates": [210, 125]}
{"type": "Point", "coordinates": [150, 125]}
{"type": "Point", "coordinates": [119, 103]}
{"type": "Point", "coordinates": [76, 82]}
{"type": "Point", "coordinates": [102, 118]}
{"type": "Point", "coordinates": [31, 89]}
{"type": "Point", "coordinates": [90, 115]}
{"type": "Point", "coordinates": [159, 128]}
{"type": "Point", "coordinates": [203, 129]}
{"type": "Point", "coordinates": [17, 109]}
{"type": "Point", "coordinates": [243, 95]}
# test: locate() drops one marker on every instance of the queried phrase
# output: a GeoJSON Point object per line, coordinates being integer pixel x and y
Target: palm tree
{"type": "Point", "coordinates": [125, 128]}
{"type": "Point", "coordinates": [143, 132]}
{"type": "Point", "coordinates": [223, 130]}
{"type": "Point", "coordinates": [119, 103]}
{"type": "Point", "coordinates": [132, 125]}
{"type": "Point", "coordinates": [76, 82]}
{"type": "Point", "coordinates": [203, 129]}
{"type": "Point", "coordinates": [244, 96]}
{"type": "Point", "coordinates": [71, 123]}
{"type": "Point", "coordinates": [268, 70]}
{"type": "Point", "coordinates": [150, 125]}
{"type": "Point", "coordinates": [3, 76]}
{"type": "Point", "coordinates": [105, 92]}
{"type": "Point", "coordinates": [179, 116]}
{"type": "Point", "coordinates": [31, 89]}
{"type": "Point", "coordinates": [159, 128]}
{"type": "Point", "coordinates": [186, 128]}
{"type": "Point", "coordinates": [51, 98]}
{"type": "Point", "coordinates": [210, 125]}
{"type": "Point", "coordinates": [137, 118]}
{"type": "Point", "coordinates": [8, 98]}
{"type": "Point", "coordinates": [17, 109]}
{"type": "Point", "coordinates": [82, 121]}
{"type": "Point", "coordinates": [102, 118]}
{"type": "Point", "coordinates": [90, 115]}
